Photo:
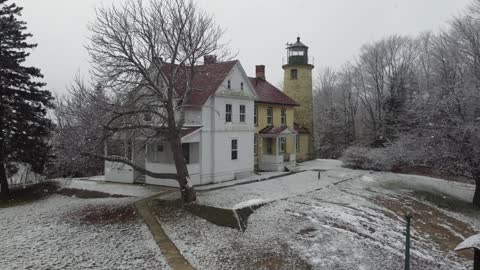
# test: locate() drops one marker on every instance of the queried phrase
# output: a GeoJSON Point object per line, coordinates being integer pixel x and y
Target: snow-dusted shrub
{"type": "Point", "coordinates": [378, 159]}
{"type": "Point", "coordinates": [407, 151]}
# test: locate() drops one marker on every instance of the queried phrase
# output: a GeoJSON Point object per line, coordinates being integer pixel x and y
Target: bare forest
{"type": "Point", "coordinates": [407, 103]}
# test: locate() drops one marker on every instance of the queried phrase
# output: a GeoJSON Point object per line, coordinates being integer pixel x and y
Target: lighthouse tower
{"type": "Point", "coordinates": [298, 85]}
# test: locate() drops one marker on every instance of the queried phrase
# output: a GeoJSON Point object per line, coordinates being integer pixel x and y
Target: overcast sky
{"type": "Point", "coordinates": [333, 29]}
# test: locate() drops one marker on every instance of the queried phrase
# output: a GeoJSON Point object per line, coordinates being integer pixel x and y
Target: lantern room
{"type": "Point", "coordinates": [297, 53]}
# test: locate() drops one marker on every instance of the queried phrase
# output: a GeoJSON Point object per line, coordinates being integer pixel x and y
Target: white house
{"type": "Point", "coordinates": [218, 134]}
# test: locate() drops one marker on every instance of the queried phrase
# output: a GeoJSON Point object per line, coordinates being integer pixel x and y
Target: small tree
{"type": "Point", "coordinates": [23, 124]}
{"type": "Point", "coordinates": [131, 47]}
{"type": "Point", "coordinates": [82, 111]}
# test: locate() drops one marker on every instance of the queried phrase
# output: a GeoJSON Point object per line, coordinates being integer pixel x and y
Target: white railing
{"type": "Point", "coordinates": [278, 159]}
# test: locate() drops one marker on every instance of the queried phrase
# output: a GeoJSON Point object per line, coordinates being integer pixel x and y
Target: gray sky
{"type": "Point", "coordinates": [333, 29]}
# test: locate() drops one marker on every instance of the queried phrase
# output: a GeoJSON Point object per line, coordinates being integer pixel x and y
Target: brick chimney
{"type": "Point", "coordinates": [209, 59]}
{"type": "Point", "coordinates": [260, 72]}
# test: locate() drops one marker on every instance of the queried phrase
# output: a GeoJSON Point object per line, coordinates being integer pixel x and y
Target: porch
{"type": "Point", "coordinates": [278, 148]}
{"type": "Point", "coordinates": [159, 159]}
{"type": "Point", "coordinates": [155, 156]}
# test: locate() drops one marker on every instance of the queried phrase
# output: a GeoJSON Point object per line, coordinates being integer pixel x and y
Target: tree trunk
{"type": "Point", "coordinates": [4, 190]}
{"type": "Point", "coordinates": [476, 196]}
{"type": "Point", "coordinates": [183, 178]}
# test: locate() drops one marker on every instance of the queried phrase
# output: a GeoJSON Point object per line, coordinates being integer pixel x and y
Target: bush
{"type": "Point", "coordinates": [407, 151]}
{"type": "Point", "coordinates": [377, 159]}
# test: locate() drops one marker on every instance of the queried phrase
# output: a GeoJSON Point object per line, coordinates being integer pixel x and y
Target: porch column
{"type": "Point", "coordinates": [146, 154]}
{"type": "Point", "coordinates": [276, 146]}
{"type": "Point", "coordinates": [295, 138]}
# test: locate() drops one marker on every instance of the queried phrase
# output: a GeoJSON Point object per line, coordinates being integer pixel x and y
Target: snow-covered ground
{"type": "Point", "coordinates": [98, 184]}
{"type": "Point", "coordinates": [61, 232]}
{"type": "Point", "coordinates": [346, 220]}
{"type": "Point", "coordinates": [270, 190]}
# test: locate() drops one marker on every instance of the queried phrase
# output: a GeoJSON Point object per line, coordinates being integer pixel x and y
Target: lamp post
{"type": "Point", "coordinates": [408, 217]}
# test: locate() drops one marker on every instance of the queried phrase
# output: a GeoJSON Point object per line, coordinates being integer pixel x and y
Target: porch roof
{"type": "Point", "coordinates": [189, 130]}
{"type": "Point", "coordinates": [272, 131]}
{"type": "Point", "coordinates": [300, 129]}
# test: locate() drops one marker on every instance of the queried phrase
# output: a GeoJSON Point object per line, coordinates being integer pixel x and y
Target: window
{"type": "Point", "coordinates": [255, 143]}
{"type": "Point", "coordinates": [159, 149]}
{"type": "Point", "coordinates": [228, 113]}
{"type": "Point", "coordinates": [270, 116]}
{"type": "Point", "coordinates": [241, 86]}
{"type": "Point", "coordinates": [147, 116]}
{"type": "Point", "coordinates": [284, 117]}
{"type": "Point", "coordinates": [269, 146]}
{"type": "Point", "coordinates": [186, 152]}
{"type": "Point", "coordinates": [293, 74]}
{"type": "Point", "coordinates": [255, 112]}
{"type": "Point", "coordinates": [229, 84]}
{"type": "Point", "coordinates": [234, 149]}
{"type": "Point", "coordinates": [298, 143]}
{"type": "Point", "coordinates": [242, 113]}
{"type": "Point", "coordinates": [283, 145]}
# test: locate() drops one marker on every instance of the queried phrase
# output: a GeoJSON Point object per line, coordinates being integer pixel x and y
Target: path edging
{"type": "Point", "coordinates": [171, 253]}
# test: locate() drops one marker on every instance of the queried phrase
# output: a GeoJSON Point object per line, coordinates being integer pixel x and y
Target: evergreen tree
{"type": "Point", "coordinates": [24, 126]}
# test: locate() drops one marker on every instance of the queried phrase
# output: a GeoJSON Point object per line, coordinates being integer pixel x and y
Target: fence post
{"type": "Point", "coordinates": [476, 259]}
{"type": "Point", "coordinates": [408, 216]}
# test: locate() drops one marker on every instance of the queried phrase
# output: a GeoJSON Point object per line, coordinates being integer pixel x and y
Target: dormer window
{"type": "Point", "coordinates": [241, 86]}
{"type": "Point", "coordinates": [229, 84]}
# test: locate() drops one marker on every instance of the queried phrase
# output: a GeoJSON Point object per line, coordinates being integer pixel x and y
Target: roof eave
{"type": "Point", "coordinates": [277, 103]}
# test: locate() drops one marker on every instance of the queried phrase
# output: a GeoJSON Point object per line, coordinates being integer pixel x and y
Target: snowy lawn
{"type": "Point", "coordinates": [60, 232]}
{"type": "Point", "coordinates": [97, 184]}
{"type": "Point", "coordinates": [346, 220]}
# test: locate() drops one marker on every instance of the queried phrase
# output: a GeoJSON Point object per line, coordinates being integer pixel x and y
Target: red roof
{"type": "Point", "coordinates": [207, 79]}
{"type": "Point", "coordinates": [189, 130]}
{"type": "Point", "coordinates": [300, 129]}
{"type": "Point", "coordinates": [267, 93]}
{"type": "Point", "coordinates": [270, 130]}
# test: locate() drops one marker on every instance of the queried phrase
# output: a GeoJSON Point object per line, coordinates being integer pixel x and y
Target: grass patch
{"type": "Point", "coordinates": [87, 194]}
{"type": "Point", "coordinates": [232, 218]}
{"type": "Point", "coordinates": [30, 194]}
{"type": "Point", "coordinates": [446, 231]}
{"type": "Point", "coordinates": [103, 214]}
{"type": "Point", "coordinates": [447, 202]}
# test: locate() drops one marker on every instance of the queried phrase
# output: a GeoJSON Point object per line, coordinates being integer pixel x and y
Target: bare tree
{"type": "Point", "coordinates": [335, 111]}
{"type": "Point", "coordinates": [145, 54]}
{"type": "Point", "coordinates": [80, 114]}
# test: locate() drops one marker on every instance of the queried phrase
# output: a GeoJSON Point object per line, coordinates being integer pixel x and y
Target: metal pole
{"type": "Point", "coordinates": [476, 259]}
{"type": "Point", "coordinates": [407, 243]}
